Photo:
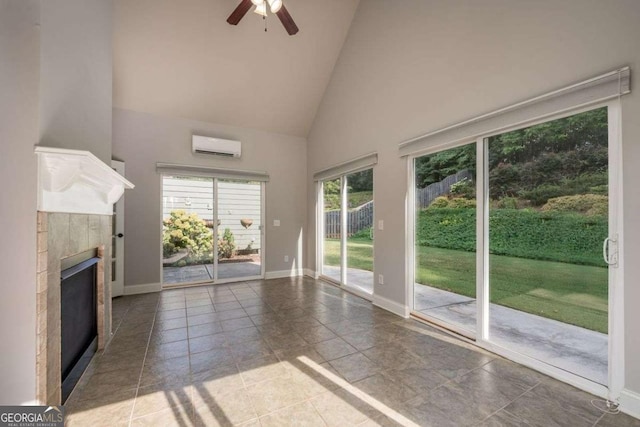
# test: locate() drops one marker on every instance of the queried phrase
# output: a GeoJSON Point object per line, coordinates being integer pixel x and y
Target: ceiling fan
{"type": "Point", "coordinates": [275, 6]}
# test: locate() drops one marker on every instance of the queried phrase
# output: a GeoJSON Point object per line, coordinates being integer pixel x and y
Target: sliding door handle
{"type": "Point", "coordinates": [610, 251]}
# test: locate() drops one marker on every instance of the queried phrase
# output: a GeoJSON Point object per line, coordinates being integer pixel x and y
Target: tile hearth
{"type": "Point", "coordinates": [301, 352]}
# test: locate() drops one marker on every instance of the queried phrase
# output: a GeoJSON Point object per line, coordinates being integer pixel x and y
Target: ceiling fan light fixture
{"type": "Point", "coordinates": [261, 9]}
{"type": "Point", "coordinates": [257, 2]}
{"type": "Point", "coordinates": [275, 5]}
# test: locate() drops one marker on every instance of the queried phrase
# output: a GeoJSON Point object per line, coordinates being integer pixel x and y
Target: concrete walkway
{"type": "Point", "coordinates": [574, 349]}
{"type": "Point", "coordinates": [362, 280]}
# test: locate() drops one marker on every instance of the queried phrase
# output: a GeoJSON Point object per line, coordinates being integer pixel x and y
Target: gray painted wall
{"type": "Point", "coordinates": [76, 75]}
{"type": "Point", "coordinates": [141, 140]}
{"type": "Point", "coordinates": [19, 50]}
{"type": "Point", "coordinates": [419, 65]}
{"type": "Point", "coordinates": [55, 81]}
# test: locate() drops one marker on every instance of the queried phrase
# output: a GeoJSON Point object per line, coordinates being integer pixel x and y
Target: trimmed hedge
{"type": "Point", "coordinates": [550, 236]}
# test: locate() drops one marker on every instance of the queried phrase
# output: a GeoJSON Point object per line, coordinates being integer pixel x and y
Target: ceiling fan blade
{"type": "Point", "coordinates": [239, 13]}
{"type": "Point", "coordinates": [287, 21]}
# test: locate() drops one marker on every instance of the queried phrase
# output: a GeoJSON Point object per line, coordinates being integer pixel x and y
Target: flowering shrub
{"type": "Point", "coordinates": [188, 231]}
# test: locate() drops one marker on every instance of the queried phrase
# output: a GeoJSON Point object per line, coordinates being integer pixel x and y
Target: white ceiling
{"type": "Point", "coordinates": [182, 59]}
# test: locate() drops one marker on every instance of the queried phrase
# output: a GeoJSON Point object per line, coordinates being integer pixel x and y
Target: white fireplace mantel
{"type": "Point", "coordinates": [76, 181]}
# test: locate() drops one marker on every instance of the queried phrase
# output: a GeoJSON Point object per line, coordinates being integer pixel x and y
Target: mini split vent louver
{"type": "Point", "coordinates": [216, 146]}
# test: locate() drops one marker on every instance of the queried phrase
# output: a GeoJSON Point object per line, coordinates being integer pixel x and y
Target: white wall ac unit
{"type": "Point", "coordinates": [216, 146]}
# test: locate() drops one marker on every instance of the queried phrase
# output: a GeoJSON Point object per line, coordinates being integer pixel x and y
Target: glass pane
{"type": "Point", "coordinates": [113, 271]}
{"type": "Point", "coordinates": [360, 231]}
{"type": "Point", "coordinates": [548, 189]}
{"type": "Point", "coordinates": [239, 224]}
{"type": "Point", "coordinates": [187, 231]}
{"type": "Point", "coordinates": [332, 225]}
{"type": "Point", "coordinates": [445, 236]}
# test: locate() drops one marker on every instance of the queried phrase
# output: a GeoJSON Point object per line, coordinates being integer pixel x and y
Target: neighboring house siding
{"type": "Point", "coordinates": [236, 201]}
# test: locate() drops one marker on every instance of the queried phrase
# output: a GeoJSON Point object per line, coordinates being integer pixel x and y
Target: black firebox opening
{"type": "Point", "coordinates": [79, 325]}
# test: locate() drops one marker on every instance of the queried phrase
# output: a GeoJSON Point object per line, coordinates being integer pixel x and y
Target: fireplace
{"type": "Point", "coordinates": [76, 193]}
{"type": "Point", "coordinates": [78, 317]}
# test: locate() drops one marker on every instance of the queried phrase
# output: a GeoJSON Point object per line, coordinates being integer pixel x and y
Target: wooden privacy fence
{"type": "Point", "coordinates": [426, 195]}
{"type": "Point", "coordinates": [358, 219]}
{"type": "Point", "coordinates": [361, 217]}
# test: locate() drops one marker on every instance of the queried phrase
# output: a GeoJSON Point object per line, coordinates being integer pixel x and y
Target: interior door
{"type": "Point", "coordinates": [117, 240]}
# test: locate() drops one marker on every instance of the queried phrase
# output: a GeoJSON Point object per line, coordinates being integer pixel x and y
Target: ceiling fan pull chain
{"type": "Point", "coordinates": [264, 18]}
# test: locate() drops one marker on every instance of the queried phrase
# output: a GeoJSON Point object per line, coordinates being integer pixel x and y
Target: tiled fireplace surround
{"type": "Point", "coordinates": [61, 235]}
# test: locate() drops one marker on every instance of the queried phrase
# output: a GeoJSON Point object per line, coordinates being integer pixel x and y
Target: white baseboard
{"type": "Point", "coordinates": [392, 306]}
{"type": "Point", "coordinates": [309, 272]}
{"type": "Point", "coordinates": [630, 403]}
{"type": "Point", "coordinates": [144, 288]}
{"type": "Point", "coordinates": [283, 273]}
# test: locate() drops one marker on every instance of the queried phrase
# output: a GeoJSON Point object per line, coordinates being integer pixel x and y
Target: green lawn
{"type": "Point", "coordinates": [359, 253]}
{"type": "Point", "coordinates": [570, 293]}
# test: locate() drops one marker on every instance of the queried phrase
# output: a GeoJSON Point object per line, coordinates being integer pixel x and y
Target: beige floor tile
{"type": "Point", "coordinates": [271, 395]}
{"type": "Point", "coordinates": [309, 354]}
{"type": "Point", "coordinates": [102, 415]}
{"type": "Point", "coordinates": [178, 416]}
{"type": "Point", "coordinates": [261, 369]}
{"type": "Point", "coordinates": [205, 386]}
{"type": "Point", "coordinates": [341, 408]}
{"type": "Point", "coordinates": [300, 415]}
{"type": "Point", "coordinates": [226, 409]}
{"type": "Point", "coordinates": [158, 397]}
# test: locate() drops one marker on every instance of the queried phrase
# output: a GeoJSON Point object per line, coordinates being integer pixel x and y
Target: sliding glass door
{"type": "Point", "coordinates": [548, 188]}
{"type": "Point", "coordinates": [239, 221]}
{"type": "Point", "coordinates": [347, 238]}
{"type": "Point", "coordinates": [187, 229]}
{"type": "Point", "coordinates": [211, 229]}
{"type": "Point", "coordinates": [508, 241]}
{"type": "Point", "coordinates": [331, 214]}
{"type": "Point", "coordinates": [445, 240]}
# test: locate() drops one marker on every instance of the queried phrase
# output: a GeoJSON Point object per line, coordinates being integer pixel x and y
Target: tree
{"type": "Point", "coordinates": [361, 181]}
{"type": "Point", "coordinates": [436, 167]}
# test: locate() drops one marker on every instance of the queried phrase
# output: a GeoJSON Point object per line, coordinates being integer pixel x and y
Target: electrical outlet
{"type": "Point", "coordinates": [286, 258]}
{"type": "Point", "coordinates": [276, 223]}
{"type": "Point", "coordinates": [381, 279]}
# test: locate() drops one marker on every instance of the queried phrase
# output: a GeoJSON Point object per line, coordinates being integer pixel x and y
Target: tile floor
{"type": "Point", "coordinates": [300, 352]}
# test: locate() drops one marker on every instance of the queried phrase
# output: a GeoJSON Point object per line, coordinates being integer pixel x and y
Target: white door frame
{"type": "Point", "coordinates": [320, 229]}
{"type": "Point", "coordinates": [616, 361]}
{"type": "Point", "coordinates": [215, 280]}
{"type": "Point", "coordinates": [117, 232]}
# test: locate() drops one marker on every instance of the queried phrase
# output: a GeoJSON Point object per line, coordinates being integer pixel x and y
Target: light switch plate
{"type": "Point", "coordinates": [276, 223]}
{"type": "Point", "coordinates": [380, 225]}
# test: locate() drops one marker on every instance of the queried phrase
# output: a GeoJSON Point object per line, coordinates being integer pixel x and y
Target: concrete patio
{"type": "Point", "coordinates": [568, 347]}
{"type": "Point", "coordinates": [204, 272]}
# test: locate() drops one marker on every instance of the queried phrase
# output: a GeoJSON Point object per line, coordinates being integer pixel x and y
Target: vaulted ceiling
{"type": "Point", "coordinates": [182, 59]}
